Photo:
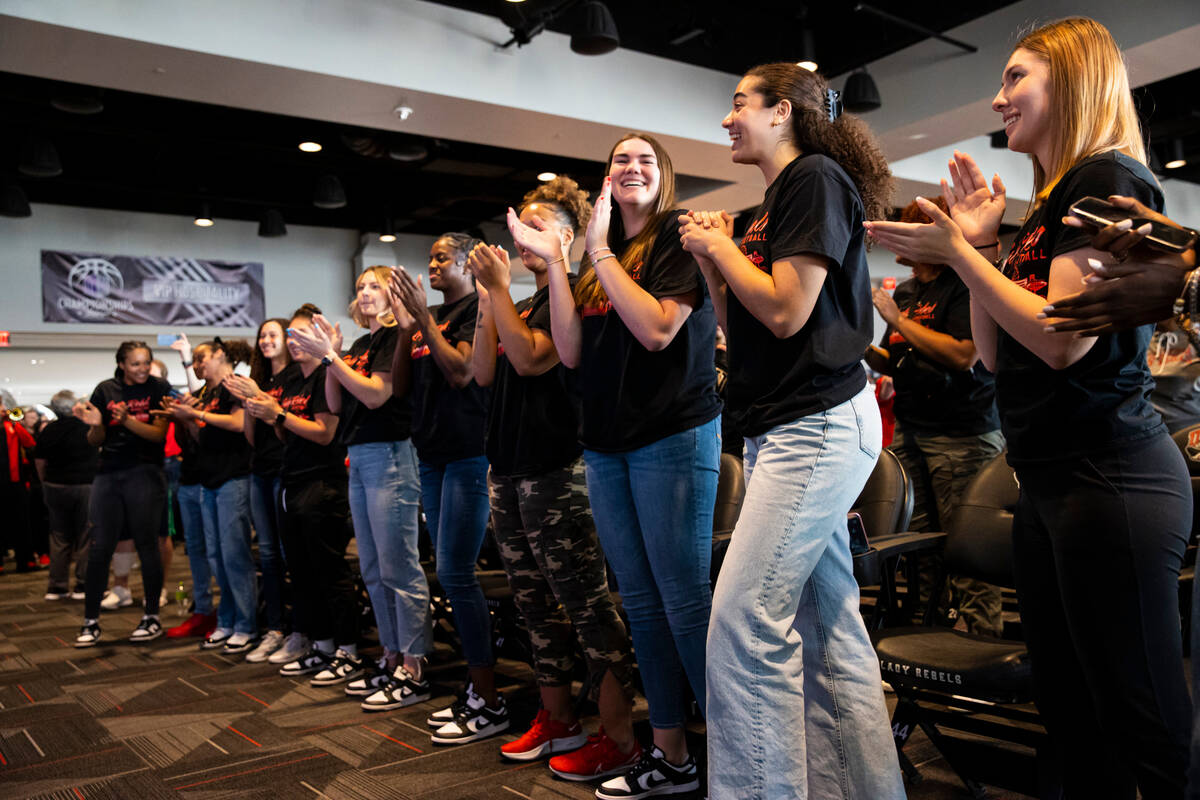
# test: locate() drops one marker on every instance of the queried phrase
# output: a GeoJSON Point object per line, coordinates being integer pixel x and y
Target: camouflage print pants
{"type": "Point", "coordinates": [544, 531]}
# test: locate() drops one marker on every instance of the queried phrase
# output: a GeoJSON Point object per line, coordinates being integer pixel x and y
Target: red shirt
{"type": "Point", "coordinates": [15, 437]}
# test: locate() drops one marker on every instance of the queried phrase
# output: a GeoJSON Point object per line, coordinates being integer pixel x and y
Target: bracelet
{"type": "Point", "coordinates": [601, 258]}
{"type": "Point", "coordinates": [1180, 304]}
{"type": "Point", "coordinates": [593, 253]}
{"type": "Point", "coordinates": [558, 260]}
{"type": "Point", "coordinates": [986, 246]}
{"type": "Point", "coordinates": [186, 364]}
{"type": "Point", "coordinates": [203, 414]}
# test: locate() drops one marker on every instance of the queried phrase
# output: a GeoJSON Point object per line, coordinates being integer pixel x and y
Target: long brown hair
{"type": "Point", "coordinates": [588, 291]}
{"type": "Point", "coordinates": [847, 140]}
{"type": "Point", "coordinates": [1092, 106]}
{"type": "Point", "coordinates": [260, 365]}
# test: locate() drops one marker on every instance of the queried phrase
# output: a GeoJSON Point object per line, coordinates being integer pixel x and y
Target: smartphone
{"type": "Point", "coordinates": [167, 339]}
{"type": "Point", "coordinates": [1161, 237]}
{"type": "Point", "coordinates": [858, 534]}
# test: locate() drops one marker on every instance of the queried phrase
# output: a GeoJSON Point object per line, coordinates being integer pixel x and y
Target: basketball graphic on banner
{"type": "Point", "coordinates": [96, 278]}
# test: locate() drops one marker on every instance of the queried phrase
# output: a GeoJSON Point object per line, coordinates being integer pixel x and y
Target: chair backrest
{"type": "Point", "coordinates": [886, 501]}
{"type": "Point", "coordinates": [979, 542]}
{"type": "Point", "coordinates": [731, 490]}
{"type": "Point", "coordinates": [1188, 442]}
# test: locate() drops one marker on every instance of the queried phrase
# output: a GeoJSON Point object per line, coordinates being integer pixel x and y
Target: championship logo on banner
{"type": "Point", "coordinates": [136, 290]}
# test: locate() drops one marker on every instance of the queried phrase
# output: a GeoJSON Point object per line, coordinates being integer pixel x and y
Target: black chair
{"type": "Point", "coordinates": [949, 680]}
{"type": "Point", "coordinates": [886, 501]}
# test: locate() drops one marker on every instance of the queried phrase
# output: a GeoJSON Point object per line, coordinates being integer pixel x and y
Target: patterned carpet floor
{"type": "Point", "coordinates": [167, 720]}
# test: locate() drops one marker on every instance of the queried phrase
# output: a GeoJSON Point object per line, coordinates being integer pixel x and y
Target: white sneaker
{"type": "Point", "coordinates": [239, 643]}
{"type": "Point", "coordinates": [294, 646]}
{"type": "Point", "coordinates": [269, 644]}
{"type": "Point", "coordinates": [116, 597]}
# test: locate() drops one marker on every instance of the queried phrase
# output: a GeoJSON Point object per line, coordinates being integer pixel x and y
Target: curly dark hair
{"type": "Point", "coordinates": [260, 365]}
{"type": "Point", "coordinates": [569, 202]}
{"type": "Point", "coordinates": [848, 140]}
{"type": "Point", "coordinates": [462, 243]}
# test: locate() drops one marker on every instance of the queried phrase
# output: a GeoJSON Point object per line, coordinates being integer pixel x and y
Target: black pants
{"type": "Point", "coordinates": [314, 524]}
{"type": "Point", "coordinates": [126, 500]}
{"type": "Point", "coordinates": [14, 505]}
{"type": "Point", "coordinates": [1098, 543]}
{"type": "Point", "coordinates": [70, 532]}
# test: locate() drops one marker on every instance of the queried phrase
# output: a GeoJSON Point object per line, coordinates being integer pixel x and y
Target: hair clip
{"type": "Point", "coordinates": [833, 104]}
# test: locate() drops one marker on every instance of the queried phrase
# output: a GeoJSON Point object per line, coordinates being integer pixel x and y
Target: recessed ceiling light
{"type": "Point", "coordinates": [204, 218]}
{"type": "Point", "coordinates": [918, 136]}
{"type": "Point", "coordinates": [310, 147]}
{"type": "Point", "coordinates": [1176, 164]}
{"type": "Point", "coordinates": [402, 111]}
{"type": "Point", "coordinates": [547, 176]}
{"type": "Point", "coordinates": [387, 237]}
{"type": "Point", "coordinates": [811, 66]}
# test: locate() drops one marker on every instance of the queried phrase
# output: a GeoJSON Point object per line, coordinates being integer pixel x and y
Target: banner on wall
{"type": "Point", "coordinates": [150, 290]}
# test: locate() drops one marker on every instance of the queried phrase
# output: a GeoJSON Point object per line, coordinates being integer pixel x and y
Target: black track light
{"type": "Point", "coordinates": [329, 193]}
{"type": "Point", "coordinates": [270, 224]}
{"type": "Point", "coordinates": [78, 99]}
{"type": "Point", "coordinates": [39, 158]}
{"type": "Point", "coordinates": [595, 33]}
{"type": "Point", "coordinates": [203, 217]}
{"type": "Point", "coordinates": [860, 93]}
{"type": "Point", "coordinates": [13, 202]}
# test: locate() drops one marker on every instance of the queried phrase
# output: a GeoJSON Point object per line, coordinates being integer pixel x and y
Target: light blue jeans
{"type": "Point", "coordinates": [384, 502]}
{"type": "Point", "coordinates": [227, 541]}
{"type": "Point", "coordinates": [795, 706]}
{"type": "Point", "coordinates": [191, 514]}
{"type": "Point", "coordinates": [264, 510]}
{"type": "Point", "coordinates": [653, 508]}
{"type": "Point", "coordinates": [456, 513]}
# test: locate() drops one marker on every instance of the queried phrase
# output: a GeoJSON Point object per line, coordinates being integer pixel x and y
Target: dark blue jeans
{"type": "Point", "coordinates": [653, 509]}
{"type": "Point", "coordinates": [455, 496]}
{"type": "Point", "coordinates": [264, 507]}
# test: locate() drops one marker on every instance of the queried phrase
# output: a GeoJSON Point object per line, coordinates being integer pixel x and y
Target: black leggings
{"type": "Point", "coordinates": [314, 522]}
{"type": "Point", "coordinates": [126, 500]}
{"type": "Point", "coordinates": [1098, 544]}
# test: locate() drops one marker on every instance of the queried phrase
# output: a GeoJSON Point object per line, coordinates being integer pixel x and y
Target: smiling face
{"type": "Point", "coordinates": [136, 365]}
{"type": "Point", "coordinates": [371, 295]}
{"type": "Point", "coordinates": [635, 174]}
{"type": "Point", "coordinates": [755, 129]}
{"type": "Point", "coordinates": [270, 340]}
{"type": "Point", "coordinates": [446, 265]}
{"type": "Point", "coordinates": [1024, 103]}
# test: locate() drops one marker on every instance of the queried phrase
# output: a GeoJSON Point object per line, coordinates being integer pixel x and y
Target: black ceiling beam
{"type": "Point", "coordinates": [864, 8]}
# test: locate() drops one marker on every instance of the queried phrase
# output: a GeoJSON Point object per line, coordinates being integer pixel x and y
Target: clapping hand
{"type": "Point", "coordinates": [87, 413]}
{"type": "Point", "coordinates": [241, 386]}
{"type": "Point", "coordinates": [937, 242]}
{"type": "Point", "coordinates": [700, 231]}
{"type": "Point", "coordinates": [490, 266]}
{"type": "Point", "coordinates": [975, 209]}
{"type": "Point", "coordinates": [537, 237]}
{"type": "Point", "coordinates": [597, 229]}
{"type": "Point", "coordinates": [411, 294]}
{"type": "Point", "coordinates": [263, 407]}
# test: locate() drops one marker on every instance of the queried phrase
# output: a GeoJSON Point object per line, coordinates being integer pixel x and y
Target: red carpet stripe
{"type": "Point", "coordinates": [250, 771]}
{"type": "Point", "coordinates": [255, 699]}
{"type": "Point", "coordinates": [397, 741]}
{"type": "Point", "coordinates": [201, 663]}
{"type": "Point", "coordinates": [27, 695]}
{"type": "Point", "coordinates": [244, 736]}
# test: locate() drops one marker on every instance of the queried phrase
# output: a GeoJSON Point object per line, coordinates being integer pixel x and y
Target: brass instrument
{"type": "Point", "coordinates": [16, 414]}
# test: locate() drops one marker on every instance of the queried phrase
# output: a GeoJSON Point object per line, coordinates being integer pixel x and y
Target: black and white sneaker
{"type": "Point", "coordinates": [147, 630]}
{"type": "Point", "coordinates": [216, 639]}
{"type": "Point", "coordinates": [89, 634]}
{"type": "Point", "coordinates": [651, 776]}
{"type": "Point", "coordinates": [403, 690]}
{"type": "Point", "coordinates": [343, 667]}
{"type": "Point", "coordinates": [446, 715]}
{"type": "Point", "coordinates": [313, 661]}
{"type": "Point", "coordinates": [375, 676]}
{"type": "Point", "coordinates": [476, 721]}
{"type": "Point", "coordinates": [239, 643]}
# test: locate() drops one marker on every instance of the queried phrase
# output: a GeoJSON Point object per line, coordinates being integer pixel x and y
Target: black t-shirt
{"type": "Point", "coordinates": [392, 421]}
{"type": "Point", "coordinates": [931, 397]}
{"type": "Point", "coordinates": [303, 459]}
{"type": "Point", "coordinates": [223, 455]}
{"type": "Point", "coordinates": [69, 458]}
{"type": "Point", "coordinates": [122, 447]}
{"type": "Point", "coordinates": [533, 426]}
{"type": "Point", "coordinates": [632, 396]}
{"type": "Point", "coordinates": [812, 207]}
{"type": "Point", "coordinates": [268, 450]}
{"type": "Point", "coordinates": [1102, 400]}
{"type": "Point", "coordinates": [448, 423]}
{"type": "Point", "coordinates": [189, 448]}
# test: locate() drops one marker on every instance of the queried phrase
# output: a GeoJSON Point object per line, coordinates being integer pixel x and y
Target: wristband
{"type": "Point", "coordinates": [203, 414]}
{"type": "Point", "coordinates": [187, 364]}
{"type": "Point", "coordinates": [326, 361]}
{"type": "Point", "coordinates": [281, 418]}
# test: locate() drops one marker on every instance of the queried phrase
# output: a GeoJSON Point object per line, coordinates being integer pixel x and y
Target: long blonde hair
{"type": "Point", "coordinates": [588, 292]}
{"type": "Point", "coordinates": [1089, 93]}
{"type": "Point", "coordinates": [386, 318]}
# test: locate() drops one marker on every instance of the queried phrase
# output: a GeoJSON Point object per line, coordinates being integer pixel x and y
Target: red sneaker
{"type": "Point", "coordinates": [599, 758]}
{"type": "Point", "coordinates": [195, 625]}
{"type": "Point", "coordinates": [544, 738]}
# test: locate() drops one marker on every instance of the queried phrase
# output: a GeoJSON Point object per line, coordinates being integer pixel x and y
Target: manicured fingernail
{"type": "Point", "coordinates": [1048, 329]}
{"type": "Point", "coordinates": [1145, 229]}
{"type": "Point", "coordinates": [1042, 315]}
{"type": "Point", "coordinates": [1124, 224]}
{"type": "Point", "coordinates": [1095, 263]}
{"type": "Point", "coordinates": [1048, 310]}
